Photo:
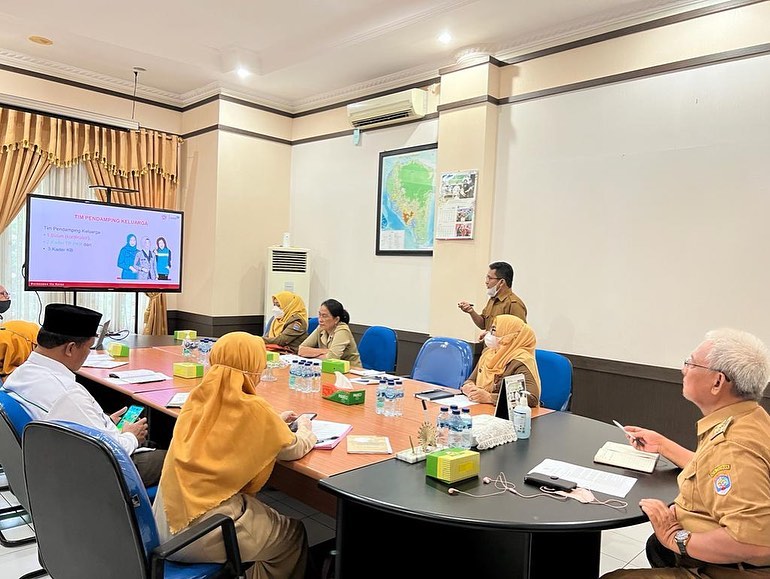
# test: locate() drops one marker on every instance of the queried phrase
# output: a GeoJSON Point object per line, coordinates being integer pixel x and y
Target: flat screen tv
{"type": "Point", "coordinates": [80, 245]}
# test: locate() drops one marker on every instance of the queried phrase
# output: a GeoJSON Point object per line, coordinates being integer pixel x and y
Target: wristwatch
{"type": "Point", "coordinates": [682, 537]}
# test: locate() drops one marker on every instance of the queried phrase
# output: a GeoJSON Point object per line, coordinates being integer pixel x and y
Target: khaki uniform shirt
{"type": "Point", "coordinates": [341, 343]}
{"type": "Point", "coordinates": [505, 302]}
{"type": "Point", "coordinates": [727, 484]}
{"type": "Point", "coordinates": [292, 335]}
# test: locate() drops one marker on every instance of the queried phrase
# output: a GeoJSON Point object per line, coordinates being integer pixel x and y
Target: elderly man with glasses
{"type": "Point", "coordinates": [502, 300]}
{"type": "Point", "coordinates": [719, 524]}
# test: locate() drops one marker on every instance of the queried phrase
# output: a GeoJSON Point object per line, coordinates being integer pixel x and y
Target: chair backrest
{"type": "Point", "coordinates": [555, 379]}
{"type": "Point", "coordinates": [379, 349]}
{"type": "Point", "coordinates": [312, 324]}
{"type": "Point", "coordinates": [13, 419]}
{"type": "Point", "coordinates": [444, 361]}
{"type": "Point", "coordinates": [91, 513]}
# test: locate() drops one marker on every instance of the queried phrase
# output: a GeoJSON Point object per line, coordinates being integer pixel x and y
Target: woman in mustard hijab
{"type": "Point", "coordinates": [288, 328]}
{"type": "Point", "coordinates": [17, 340]}
{"type": "Point", "coordinates": [510, 350]}
{"type": "Point", "coordinates": [225, 443]}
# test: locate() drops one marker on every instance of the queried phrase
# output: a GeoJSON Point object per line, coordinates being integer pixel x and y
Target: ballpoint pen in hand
{"type": "Point", "coordinates": [633, 438]}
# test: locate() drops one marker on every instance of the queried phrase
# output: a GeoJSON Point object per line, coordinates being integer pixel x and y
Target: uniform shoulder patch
{"type": "Point", "coordinates": [722, 484]}
{"type": "Point", "coordinates": [719, 468]}
{"type": "Point", "coordinates": [296, 326]}
{"type": "Point", "coordinates": [721, 428]}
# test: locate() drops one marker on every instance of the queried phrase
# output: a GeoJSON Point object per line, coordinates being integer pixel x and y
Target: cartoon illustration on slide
{"type": "Point", "coordinates": [144, 262]}
{"type": "Point", "coordinates": [162, 258]}
{"type": "Point", "coordinates": [126, 258]}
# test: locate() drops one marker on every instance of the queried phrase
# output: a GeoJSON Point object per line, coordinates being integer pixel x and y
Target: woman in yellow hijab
{"type": "Point", "coordinates": [225, 444]}
{"type": "Point", "coordinates": [288, 328]}
{"type": "Point", "coordinates": [510, 350]}
{"type": "Point", "coordinates": [17, 340]}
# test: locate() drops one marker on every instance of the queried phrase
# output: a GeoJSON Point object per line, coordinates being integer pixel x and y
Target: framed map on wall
{"type": "Point", "coordinates": [406, 199]}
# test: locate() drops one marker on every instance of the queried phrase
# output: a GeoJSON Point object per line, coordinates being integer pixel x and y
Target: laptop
{"type": "Point", "coordinates": [98, 345]}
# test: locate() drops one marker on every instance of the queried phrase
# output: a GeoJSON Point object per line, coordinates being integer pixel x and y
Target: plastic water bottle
{"type": "Point", "coordinates": [293, 371]}
{"type": "Point", "coordinates": [187, 347]}
{"type": "Point", "coordinates": [456, 427]}
{"type": "Point", "coordinates": [390, 399]}
{"type": "Point", "coordinates": [468, 429]}
{"type": "Point", "coordinates": [204, 347]}
{"type": "Point", "coordinates": [442, 427]}
{"type": "Point", "coordinates": [316, 377]}
{"type": "Point", "coordinates": [522, 417]}
{"type": "Point", "coordinates": [307, 377]}
{"type": "Point", "coordinates": [380, 399]}
{"type": "Point", "coordinates": [399, 405]}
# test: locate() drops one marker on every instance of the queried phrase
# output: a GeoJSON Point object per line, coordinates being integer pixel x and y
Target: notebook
{"type": "Point", "coordinates": [625, 456]}
{"type": "Point", "coordinates": [435, 394]}
{"type": "Point", "coordinates": [369, 444]}
{"type": "Point", "coordinates": [177, 400]}
{"type": "Point", "coordinates": [139, 376]}
{"type": "Point", "coordinates": [329, 434]}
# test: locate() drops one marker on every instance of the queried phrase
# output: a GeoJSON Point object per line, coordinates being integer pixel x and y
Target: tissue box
{"type": "Point", "coordinates": [452, 464]}
{"type": "Point", "coordinates": [188, 369]}
{"type": "Point", "coordinates": [349, 397]}
{"type": "Point", "coordinates": [330, 366]}
{"type": "Point", "coordinates": [117, 350]}
{"type": "Point", "coordinates": [273, 357]}
{"type": "Point", "coordinates": [182, 334]}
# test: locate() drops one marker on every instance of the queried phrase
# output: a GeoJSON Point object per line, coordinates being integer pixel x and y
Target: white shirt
{"type": "Point", "coordinates": [48, 391]}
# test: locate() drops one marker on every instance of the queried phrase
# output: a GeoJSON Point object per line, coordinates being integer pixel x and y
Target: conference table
{"type": "Point", "coordinates": [504, 535]}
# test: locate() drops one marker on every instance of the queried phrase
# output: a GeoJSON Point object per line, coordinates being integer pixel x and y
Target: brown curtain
{"type": "Point", "coordinates": [145, 161]}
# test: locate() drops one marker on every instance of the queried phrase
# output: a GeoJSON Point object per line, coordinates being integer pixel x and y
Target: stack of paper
{"type": "Point", "coordinates": [329, 434]}
{"type": "Point", "coordinates": [102, 361]}
{"type": "Point", "coordinates": [139, 376]}
{"type": "Point", "coordinates": [177, 400]}
{"type": "Point", "coordinates": [625, 456]}
{"type": "Point", "coordinates": [369, 444]}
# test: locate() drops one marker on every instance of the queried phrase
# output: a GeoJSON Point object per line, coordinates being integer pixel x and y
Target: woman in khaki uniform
{"type": "Point", "coordinates": [225, 444]}
{"type": "Point", "coordinates": [332, 338]}
{"type": "Point", "coordinates": [510, 350]}
{"type": "Point", "coordinates": [288, 328]}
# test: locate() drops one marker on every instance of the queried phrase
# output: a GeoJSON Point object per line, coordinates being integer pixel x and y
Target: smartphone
{"type": "Point", "coordinates": [130, 415]}
{"type": "Point", "coordinates": [294, 425]}
{"type": "Point", "coordinates": [553, 482]}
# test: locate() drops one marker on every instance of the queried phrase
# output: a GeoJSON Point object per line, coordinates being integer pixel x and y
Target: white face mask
{"type": "Point", "coordinates": [490, 340]}
{"type": "Point", "coordinates": [277, 312]}
{"type": "Point", "coordinates": [492, 291]}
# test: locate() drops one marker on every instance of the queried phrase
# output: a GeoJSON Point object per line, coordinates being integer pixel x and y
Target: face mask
{"type": "Point", "coordinates": [490, 340]}
{"type": "Point", "coordinates": [4, 306]}
{"type": "Point", "coordinates": [492, 291]}
{"type": "Point", "coordinates": [277, 312]}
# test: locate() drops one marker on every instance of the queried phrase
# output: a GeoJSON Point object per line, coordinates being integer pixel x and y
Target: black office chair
{"type": "Point", "coordinates": [92, 515]}
{"type": "Point", "coordinates": [13, 419]}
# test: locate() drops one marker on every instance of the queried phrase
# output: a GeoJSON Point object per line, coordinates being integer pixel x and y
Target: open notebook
{"type": "Point", "coordinates": [625, 456]}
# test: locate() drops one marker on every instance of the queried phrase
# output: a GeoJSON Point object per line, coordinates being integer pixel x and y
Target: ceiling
{"type": "Point", "coordinates": [301, 54]}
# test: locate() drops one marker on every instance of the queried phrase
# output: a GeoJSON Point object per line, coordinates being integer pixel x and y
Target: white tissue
{"type": "Point", "coordinates": [342, 382]}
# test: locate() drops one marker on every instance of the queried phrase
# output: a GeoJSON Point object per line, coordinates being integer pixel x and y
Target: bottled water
{"type": "Point", "coordinates": [306, 380]}
{"type": "Point", "coordinates": [187, 348]}
{"type": "Point", "coordinates": [316, 377]}
{"type": "Point", "coordinates": [456, 427]}
{"type": "Point", "coordinates": [399, 405]}
{"type": "Point", "coordinates": [468, 430]}
{"type": "Point", "coordinates": [293, 371]}
{"type": "Point", "coordinates": [442, 427]}
{"type": "Point", "coordinates": [380, 399]}
{"type": "Point", "coordinates": [390, 399]}
{"type": "Point", "coordinates": [204, 347]}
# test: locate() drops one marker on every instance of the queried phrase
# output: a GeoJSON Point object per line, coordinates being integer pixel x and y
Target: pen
{"type": "Point", "coordinates": [327, 439]}
{"type": "Point", "coordinates": [411, 444]}
{"type": "Point", "coordinates": [633, 439]}
{"type": "Point", "coordinates": [424, 406]}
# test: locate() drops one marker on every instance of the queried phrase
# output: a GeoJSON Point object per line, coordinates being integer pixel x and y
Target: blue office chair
{"type": "Point", "coordinates": [312, 324]}
{"type": "Point", "coordinates": [379, 349]}
{"type": "Point", "coordinates": [444, 361]}
{"type": "Point", "coordinates": [555, 379]}
{"type": "Point", "coordinates": [13, 419]}
{"type": "Point", "coordinates": [267, 326]}
{"type": "Point", "coordinates": [92, 515]}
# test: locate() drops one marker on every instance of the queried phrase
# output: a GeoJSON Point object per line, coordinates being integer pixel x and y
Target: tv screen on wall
{"type": "Point", "coordinates": [90, 246]}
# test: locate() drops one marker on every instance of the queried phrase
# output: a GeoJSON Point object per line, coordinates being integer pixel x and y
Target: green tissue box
{"type": "Point", "coordinates": [349, 397]}
{"type": "Point", "coordinates": [452, 464]}
{"type": "Point", "coordinates": [331, 365]}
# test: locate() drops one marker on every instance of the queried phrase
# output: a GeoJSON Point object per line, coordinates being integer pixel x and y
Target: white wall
{"type": "Point", "coordinates": [635, 215]}
{"type": "Point", "coordinates": [334, 213]}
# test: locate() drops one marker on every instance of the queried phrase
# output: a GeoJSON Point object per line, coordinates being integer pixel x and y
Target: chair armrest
{"type": "Point", "coordinates": [192, 534]}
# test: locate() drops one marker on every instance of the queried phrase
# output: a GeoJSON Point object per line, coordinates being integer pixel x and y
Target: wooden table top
{"type": "Point", "coordinates": [319, 463]}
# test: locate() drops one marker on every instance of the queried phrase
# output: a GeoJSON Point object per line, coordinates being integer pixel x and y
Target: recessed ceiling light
{"type": "Point", "coordinates": [41, 40]}
{"type": "Point", "coordinates": [445, 38]}
{"type": "Point", "coordinates": [243, 72]}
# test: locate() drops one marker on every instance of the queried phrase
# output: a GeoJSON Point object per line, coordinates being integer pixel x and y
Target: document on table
{"type": "Point", "coordinates": [139, 376]}
{"type": "Point", "coordinates": [89, 363]}
{"type": "Point", "coordinates": [460, 400]}
{"type": "Point", "coordinates": [616, 485]}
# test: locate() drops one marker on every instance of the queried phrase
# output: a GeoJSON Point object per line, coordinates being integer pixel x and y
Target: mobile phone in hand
{"type": "Point", "coordinates": [130, 415]}
{"type": "Point", "coordinates": [294, 425]}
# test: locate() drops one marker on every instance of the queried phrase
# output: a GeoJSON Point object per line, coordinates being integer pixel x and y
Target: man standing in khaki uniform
{"type": "Point", "coordinates": [719, 525]}
{"type": "Point", "coordinates": [502, 300]}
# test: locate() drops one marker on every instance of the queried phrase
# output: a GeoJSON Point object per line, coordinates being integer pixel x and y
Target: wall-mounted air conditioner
{"type": "Point", "coordinates": [288, 269]}
{"type": "Point", "coordinates": [388, 109]}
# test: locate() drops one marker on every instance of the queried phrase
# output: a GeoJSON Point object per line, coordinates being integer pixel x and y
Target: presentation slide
{"type": "Point", "coordinates": [81, 245]}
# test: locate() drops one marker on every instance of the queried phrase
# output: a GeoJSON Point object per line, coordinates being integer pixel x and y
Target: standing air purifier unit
{"type": "Point", "coordinates": [288, 269]}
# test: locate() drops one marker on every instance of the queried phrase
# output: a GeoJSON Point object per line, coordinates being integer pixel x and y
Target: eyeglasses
{"type": "Point", "coordinates": [492, 278]}
{"type": "Point", "coordinates": [688, 363]}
